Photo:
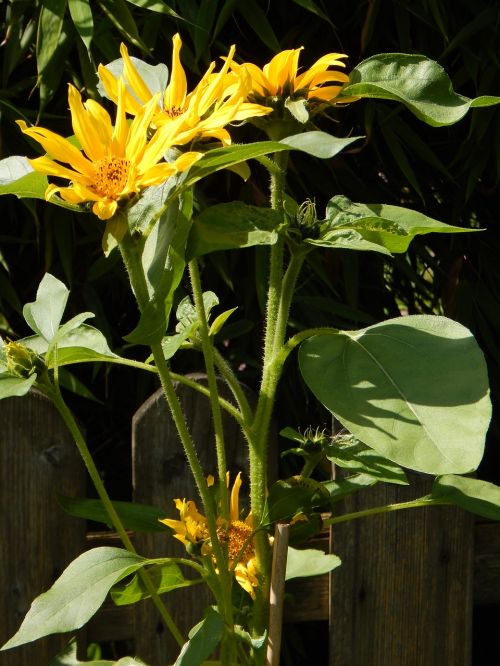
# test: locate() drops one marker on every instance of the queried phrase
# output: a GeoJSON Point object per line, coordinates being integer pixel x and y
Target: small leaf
{"type": "Point", "coordinates": [81, 345]}
{"type": "Point", "coordinates": [219, 321]}
{"type": "Point", "coordinates": [474, 495]}
{"type": "Point", "coordinates": [298, 109]}
{"type": "Point", "coordinates": [68, 657]}
{"type": "Point", "coordinates": [309, 562]}
{"type": "Point", "coordinates": [77, 594]}
{"type": "Point", "coordinates": [154, 76]}
{"type": "Point", "coordinates": [44, 315]}
{"type": "Point", "coordinates": [203, 639]}
{"type": "Point", "coordinates": [318, 144]}
{"type": "Point", "coordinates": [419, 83]}
{"type": "Point", "coordinates": [11, 387]}
{"type": "Point", "coordinates": [164, 577]}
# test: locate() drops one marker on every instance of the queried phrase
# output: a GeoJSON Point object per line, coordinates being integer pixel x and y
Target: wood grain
{"type": "Point", "coordinates": [37, 460]}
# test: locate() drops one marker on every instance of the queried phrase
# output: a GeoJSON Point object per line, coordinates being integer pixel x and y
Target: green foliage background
{"type": "Point", "coordinates": [451, 174]}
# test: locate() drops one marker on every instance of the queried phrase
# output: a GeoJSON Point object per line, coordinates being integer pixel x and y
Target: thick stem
{"type": "Point", "coordinates": [110, 509]}
{"type": "Point", "coordinates": [208, 355]}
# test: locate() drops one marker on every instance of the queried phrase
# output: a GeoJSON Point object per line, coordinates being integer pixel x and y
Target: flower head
{"type": "Point", "coordinates": [115, 162]}
{"type": "Point", "coordinates": [281, 78]}
{"type": "Point", "coordinates": [234, 534]}
{"type": "Point", "coordinates": [218, 99]}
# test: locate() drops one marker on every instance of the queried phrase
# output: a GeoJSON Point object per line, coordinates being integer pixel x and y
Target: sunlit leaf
{"type": "Point", "coordinates": [309, 562]}
{"type": "Point", "coordinates": [474, 495]}
{"type": "Point", "coordinates": [419, 83]}
{"type": "Point", "coordinates": [414, 388]}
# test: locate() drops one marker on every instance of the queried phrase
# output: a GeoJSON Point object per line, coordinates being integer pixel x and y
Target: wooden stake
{"type": "Point", "coordinates": [277, 593]}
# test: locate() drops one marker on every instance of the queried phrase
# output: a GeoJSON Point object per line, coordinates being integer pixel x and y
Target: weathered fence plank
{"type": "Point", "coordinates": [37, 459]}
{"type": "Point", "coordinates": [161, 474]}
{"type": "Point", "coordinates": [403, 595]}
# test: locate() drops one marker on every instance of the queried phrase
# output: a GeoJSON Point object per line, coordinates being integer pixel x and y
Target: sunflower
{"type": "Point", "coordinates": [115, 162]}
{"type": "Point", "coordinates": [234, 534]}
{"type": "Point", "coordinates": [218, 99]}
{"type": "Point", "coordinates": [280, 78]}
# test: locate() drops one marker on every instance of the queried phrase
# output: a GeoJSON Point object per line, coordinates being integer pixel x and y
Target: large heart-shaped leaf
{"type": "Point", "coordinates": [77, 593]}
{"type": "Point", "coordinates": [419, 83]}
{"type": "Point", "coordinates": [415, 389]}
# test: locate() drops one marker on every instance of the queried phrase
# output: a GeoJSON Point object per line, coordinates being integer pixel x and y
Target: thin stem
{"type": "Point", "coordinates": [110, 509]}
{"type": "Point", "coordinates": [208, 355]}
{"type": "Point", "coordinates": [235, 386]}
{"type": "Point", "coordinates": [413, 504]}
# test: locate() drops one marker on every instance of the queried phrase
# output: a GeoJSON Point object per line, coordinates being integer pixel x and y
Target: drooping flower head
{"type": "Point", "coordinates": [114, 162]}
{"type": "Point", "coordinates": [234, 534]}
{"type": "Point", "coordinates": [281, 80]}
{"type": "Point", "coordinates": [218, 99]}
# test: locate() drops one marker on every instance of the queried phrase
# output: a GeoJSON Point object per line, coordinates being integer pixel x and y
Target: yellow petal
{"type": "Point", "coordinates": [50, 168]}
{"type": "Point", "coordinates": [138, 131]}
{"type": "Point", "coordinates": [58, 147]}
{"type": "Point", "coordinates": [234, 505]}
{"type": "Point", "coordinates": [133, 78]}
{"type": "Point", "coordinates": [110, 84]}
{"type": "Point", "coordinates": [156, 175]}
{"type": "Point", "coordinates": [104, 209]}
{"type": "Point", "coordinates": [101, 121]}
{"type": "Point", "coordinates": [282, 69]}
{"type": "Point", "coordinates": [120, 132]}
{"type": "Point", "coordinates": [175, 93]}
{"type": "Point", "coordinates": [84, 127]}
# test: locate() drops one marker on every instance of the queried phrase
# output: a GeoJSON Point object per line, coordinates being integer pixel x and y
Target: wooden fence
{"type": "Point", "coordinates": [403, 596]}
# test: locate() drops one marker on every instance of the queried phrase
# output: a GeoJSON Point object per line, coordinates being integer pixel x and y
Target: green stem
{"type": "Point", "coordinates": [208, 355]}
{"type": "Point", "coordinates": [413, 504]}
{"type": "Point", "coordinates": [235, 386]}
{"type": "Point", "coordinates": [110, 509]}
{"type": "Point", "coordinates": [131, 253]}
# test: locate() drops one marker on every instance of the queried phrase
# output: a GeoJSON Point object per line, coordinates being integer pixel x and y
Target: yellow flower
{"type": "Point", "coordinates": [235, 535]}
{"type": "Point", "coordinates": [281, 78]}
{"type": "Point", "coordinates": [115, 162]}
{"type": "Point", "coordinates": [218, 99]}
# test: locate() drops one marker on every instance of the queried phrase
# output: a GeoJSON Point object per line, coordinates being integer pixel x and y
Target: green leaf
{"type": "Point", "coordinates": [81, 15]}
{"type": "Point", "coordinates": [257, 20]}
{"type": "Point", "coordinates": [289, 497]}
{"type": "Point", "coordinates": [342, 488]}
{"type": "Point", "coordinates": [137, 517]}
{"type": "Point", "coordinates": [77, 594]}
{"type": "Point", "coordinates": [164, 261]}
{"type": "Point", "coordinates": [474, 495]}
{"type": "Point", "coordinates": [44, 315]}
{"type": "Point", "coordinates": [318, 144]}
{"type": "Point", "coordinates": [219, 321]}
{"type": "Point", "coordinates": [11, 387]}
{"type": "Point", "coordinates": [348, 452]}
{"type": "Point", "coordinates": [50, 25]}
{"type": "Point", "coordinates": [309, 562]}
{"type": "Point", "coordinates": [347, 239]}
{"type": "Point", "coordinates": [298, 109]}
{"type": "Point", "coordinates": [203, 639]}
{"type": "Point", "coordinates": [164, 577]}
{"type": "Point", "coordinates": [17, 177]}
{"type": "Point", "coordinates": [81, 345]}
{"type": "Point", "coordinates": [172, 343]}
{"type": "Point", "coordinates": [158, 6]}
{"type": "Point", "coordinates": [414, 388]}
{"type": "Point", "coordinates": [417, 82]}
{"type": "Point", "coordinates": [232, 225]}
{"type": "Point", "coordinates": [381, 227]}
{"type": "Point", "coordinates": [121, 17]}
